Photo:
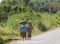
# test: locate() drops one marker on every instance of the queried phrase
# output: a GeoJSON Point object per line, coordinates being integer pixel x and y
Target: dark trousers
{"type": "Point", "coordinates": [23, 35]}
{"type": "Point", "coordinates": [29, 35]}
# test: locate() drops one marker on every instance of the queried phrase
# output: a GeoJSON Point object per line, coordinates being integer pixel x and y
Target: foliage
{"type": "Point", "coordinates": [36, 11]}
{"type": "Point", "coordinates": [1, 41]}
{"type": "Point", "coordinates": [6, 33]}
{"type": "Point", "coordinates": [35, 17]}
{"type": "Point", "coordinates": [42, 27]}
{"type": "Point", "coordinates": [10, 7]}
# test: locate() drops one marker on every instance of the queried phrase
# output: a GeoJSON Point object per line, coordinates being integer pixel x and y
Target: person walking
{"type": "Point", "coordinates": [23, 30]}
{"type": "Point", "coordinates": [29, 30]}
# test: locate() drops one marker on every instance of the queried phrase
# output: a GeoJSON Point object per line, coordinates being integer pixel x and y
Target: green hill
{"type": "Point", "coordinates": [13, 11]}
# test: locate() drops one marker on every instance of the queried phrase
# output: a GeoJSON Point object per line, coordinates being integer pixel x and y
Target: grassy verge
{"type": "Point", "coordinates": [6, 33]}
{"type": "Point", "coordinates": [40, 20]}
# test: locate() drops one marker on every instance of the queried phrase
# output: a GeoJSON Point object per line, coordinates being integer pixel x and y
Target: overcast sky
{"type": "Point", "coordinates": [0, 0]}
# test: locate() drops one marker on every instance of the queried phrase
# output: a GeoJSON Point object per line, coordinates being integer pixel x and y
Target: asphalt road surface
{"type": "Point", "coordinates": [51, 37]}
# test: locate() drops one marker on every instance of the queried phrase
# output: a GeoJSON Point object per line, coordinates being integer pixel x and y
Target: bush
{"type": "Point", "coordinates": [6, 33]}
{"type": "Point", "coordinates": [1, 41]}
{"type": "Point", "coordinates": [42, 27]}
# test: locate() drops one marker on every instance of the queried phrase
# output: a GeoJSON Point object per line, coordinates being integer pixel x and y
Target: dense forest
{"type": "Point", "coordinates": [10, 7]}
{"type": "Point", "coordinates": [44, 15]}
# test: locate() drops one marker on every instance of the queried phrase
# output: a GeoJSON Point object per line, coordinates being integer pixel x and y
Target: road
{"type": "Point", "coordinates": [51, 37]}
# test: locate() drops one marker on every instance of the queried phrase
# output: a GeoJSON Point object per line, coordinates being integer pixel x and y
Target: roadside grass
{"type": "Point", "coordinates": [36, 32]}
{"type": "Point", "coordinates": [6, 33]}
{"type": "Point", "coordinates": [9, 33]}
{"type": "Point", "coordinates": [13, 21]}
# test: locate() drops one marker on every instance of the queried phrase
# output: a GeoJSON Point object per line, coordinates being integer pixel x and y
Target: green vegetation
{"type": "Point", "coordinates": [36, 11]}
{"type": "Point", "coordinates": [7, 33]}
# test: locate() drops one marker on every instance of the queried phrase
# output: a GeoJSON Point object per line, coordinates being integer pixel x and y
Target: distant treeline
{"type": "Point", "coordinates": [10, 7]}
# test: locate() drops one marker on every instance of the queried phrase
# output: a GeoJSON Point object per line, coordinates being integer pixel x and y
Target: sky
{"type": "Point", "coordinates": [0, 0]}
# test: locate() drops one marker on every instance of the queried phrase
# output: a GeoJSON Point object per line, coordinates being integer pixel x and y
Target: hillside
{"type": "Point", "coordinates": [51, 37]}
{"type": "Point", "coordinates": [44, 15]}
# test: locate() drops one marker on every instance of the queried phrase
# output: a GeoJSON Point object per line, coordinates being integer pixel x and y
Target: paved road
{"type": "Point", "coordinates": [51, 37]}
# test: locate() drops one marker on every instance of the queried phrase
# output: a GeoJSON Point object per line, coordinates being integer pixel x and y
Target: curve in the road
{"type": "Point", "coordinates": [51, 37]}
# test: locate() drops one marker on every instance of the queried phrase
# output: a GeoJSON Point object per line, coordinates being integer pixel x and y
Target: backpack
{"type": "Point", "coordinates": [23, 28]}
